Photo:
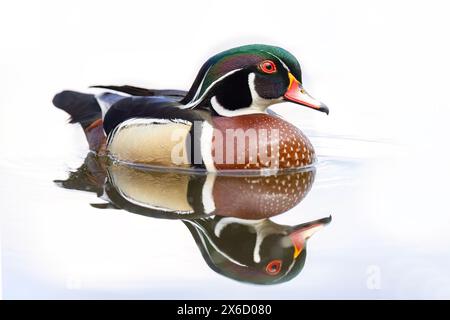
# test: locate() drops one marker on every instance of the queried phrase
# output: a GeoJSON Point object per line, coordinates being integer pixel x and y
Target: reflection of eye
{"type": "Point", "coordinates": [273, 267]}
{"type": "Point", "coordinates": [268, 66]}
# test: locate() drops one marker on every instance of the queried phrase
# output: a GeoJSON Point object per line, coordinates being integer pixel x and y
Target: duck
{"type": "Point", "coordinates": [221, 123]}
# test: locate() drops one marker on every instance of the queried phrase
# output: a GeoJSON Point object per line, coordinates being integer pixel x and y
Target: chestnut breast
{"type": "Point", "coordinates": [258, 141]}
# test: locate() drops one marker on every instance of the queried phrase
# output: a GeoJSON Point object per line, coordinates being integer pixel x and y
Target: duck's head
{"type": "Point", "coordinates": [248, 79]}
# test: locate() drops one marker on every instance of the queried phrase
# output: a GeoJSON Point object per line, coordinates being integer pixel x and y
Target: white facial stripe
{"type": "Point", "coordinates": [200, 86]}
{"type": "Point", "coordinates": [281, 61]}
{"type": "Point", "coordinates": [195, 102]}
{"type": "Point", "coordinates": [289, 269]}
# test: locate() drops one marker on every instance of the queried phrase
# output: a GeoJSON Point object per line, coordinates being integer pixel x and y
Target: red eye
{"type": "Point", "coordinates": [268, 66]}
{"type": "Point", "coordinates": [273, 267]}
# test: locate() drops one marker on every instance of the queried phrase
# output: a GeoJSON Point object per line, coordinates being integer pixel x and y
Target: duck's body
{"type": "Point", "coordinates": [220, 123]}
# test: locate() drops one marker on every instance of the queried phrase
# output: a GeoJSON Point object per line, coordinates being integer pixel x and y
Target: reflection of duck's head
{"type": "Point", "coordinates": [256, 251]}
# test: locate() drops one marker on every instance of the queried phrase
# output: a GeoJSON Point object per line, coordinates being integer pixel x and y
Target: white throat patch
{"type": "Point", "coordinates": [257, 101]}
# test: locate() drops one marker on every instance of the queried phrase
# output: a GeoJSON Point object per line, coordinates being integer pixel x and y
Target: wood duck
{"type": "Point", "coordinates": [221, 123]}
{"type": "Point", "coordinates": [228, 216]}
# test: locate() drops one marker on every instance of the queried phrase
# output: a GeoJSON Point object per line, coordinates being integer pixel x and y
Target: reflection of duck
{"type": "Point", "coordinates": [226, 215]}
{"type": "Point", "coordinates": [257, 251]}
{"type": "Point", "coordinates": [231, 92]}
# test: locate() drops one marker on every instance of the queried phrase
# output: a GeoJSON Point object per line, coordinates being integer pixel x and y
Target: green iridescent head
{"type": "Point", "coordinates": [248, 79]}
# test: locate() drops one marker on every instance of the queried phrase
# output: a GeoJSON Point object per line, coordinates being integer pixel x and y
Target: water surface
{"type": "Point", "coordinates": [75, 227]}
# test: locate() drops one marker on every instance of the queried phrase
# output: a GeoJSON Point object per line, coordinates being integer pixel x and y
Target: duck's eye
{"type": "Point", "coordinates": [273, 267]}
{"type": "Point", "coordinates": [268, 66]}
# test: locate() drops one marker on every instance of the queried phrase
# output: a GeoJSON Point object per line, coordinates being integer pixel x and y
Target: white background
{"type": "Point", "coordinates": [382, 67]}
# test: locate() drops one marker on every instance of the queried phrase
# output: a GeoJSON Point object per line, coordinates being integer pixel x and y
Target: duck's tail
{"type": "Point", "coordinates": [84, 109]}
{"type": "Point", "coordinates": [88, 109]}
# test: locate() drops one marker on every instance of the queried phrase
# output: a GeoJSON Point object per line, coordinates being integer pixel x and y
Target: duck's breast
{"type": "Point", "coordinates": [259, 141]}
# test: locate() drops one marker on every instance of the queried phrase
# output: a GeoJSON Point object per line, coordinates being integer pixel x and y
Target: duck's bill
{"type": "Point", "coordinates": [299, 234]}
{"type": "Point", "coordinates": [297, 94]}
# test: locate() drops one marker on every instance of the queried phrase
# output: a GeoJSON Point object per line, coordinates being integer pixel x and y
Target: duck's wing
{"type": "Point", "coordinates": [156, 107]}
{"type": "Point", "coordinates": [143, 92]}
